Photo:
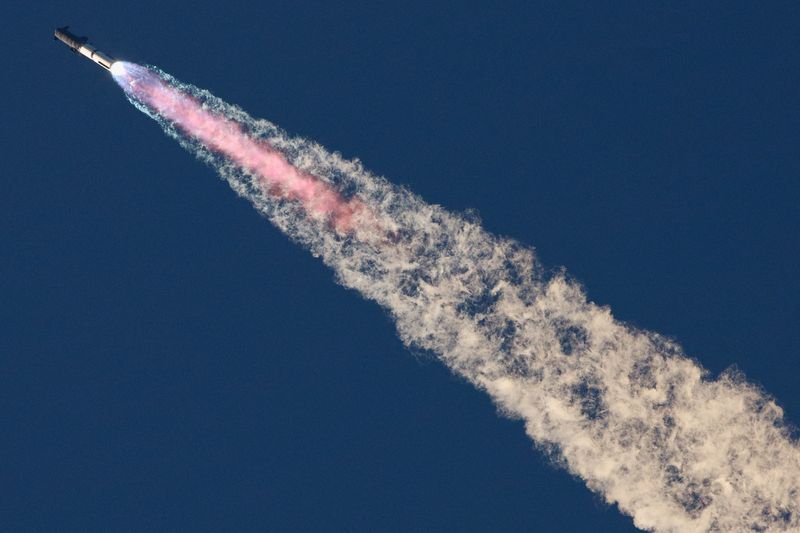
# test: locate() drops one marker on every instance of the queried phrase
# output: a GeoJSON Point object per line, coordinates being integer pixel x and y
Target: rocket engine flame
{"type": "Point", "coordinates": [228, 139]}
{"type": "Point", "coordinates": [623, 409]}
{"type": "Point", "coordinates": [118, 69]}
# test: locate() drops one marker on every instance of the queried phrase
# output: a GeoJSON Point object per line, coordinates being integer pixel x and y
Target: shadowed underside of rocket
{"type": "Point", "coordinates": [79, 46]}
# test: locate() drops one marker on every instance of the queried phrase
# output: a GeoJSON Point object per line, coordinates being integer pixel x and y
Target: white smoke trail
{"type": "Point", "coordinates": [623, 409]}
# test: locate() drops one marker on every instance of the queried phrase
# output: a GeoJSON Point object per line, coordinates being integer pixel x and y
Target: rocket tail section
{"type": "Point", "coordinates": [97, 56]}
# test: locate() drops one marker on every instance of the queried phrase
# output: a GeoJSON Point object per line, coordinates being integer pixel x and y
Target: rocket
{"type": "Point", "coordinates": [79, 46]}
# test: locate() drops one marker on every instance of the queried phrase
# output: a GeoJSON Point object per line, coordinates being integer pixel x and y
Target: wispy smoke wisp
{"type": "Point", "coordinates": [624, 409]}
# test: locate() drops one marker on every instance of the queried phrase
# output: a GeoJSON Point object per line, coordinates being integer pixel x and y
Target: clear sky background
{"type": "Point", "coordinates": [170, 362]}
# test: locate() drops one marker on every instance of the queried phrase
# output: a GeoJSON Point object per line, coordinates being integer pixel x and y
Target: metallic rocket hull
{"type": "Point", "coordinates": [79, 46]}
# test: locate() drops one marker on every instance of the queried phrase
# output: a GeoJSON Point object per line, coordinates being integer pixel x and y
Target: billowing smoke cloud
{"type": "Point", "coordinates": [624, 409]}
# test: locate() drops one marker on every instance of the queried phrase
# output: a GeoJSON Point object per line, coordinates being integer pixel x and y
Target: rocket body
{"type": "Point", "coordinates": [79, 46]}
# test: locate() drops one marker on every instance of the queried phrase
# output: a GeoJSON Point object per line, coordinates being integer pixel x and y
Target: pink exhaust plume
{"type": "Point", "coordinates": [644, 426]}
{"type": "Point", "coordinates": [226, 137]}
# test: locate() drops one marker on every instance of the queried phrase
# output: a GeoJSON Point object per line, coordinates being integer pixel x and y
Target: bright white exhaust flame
{"type": "Point", "coordinates": [117, 68]}
{"type": "Point", "coordinates": [623, 409]}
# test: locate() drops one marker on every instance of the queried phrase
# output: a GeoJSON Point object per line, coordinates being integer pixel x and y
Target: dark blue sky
{"type": "Point", "coordinates": [169, 362]}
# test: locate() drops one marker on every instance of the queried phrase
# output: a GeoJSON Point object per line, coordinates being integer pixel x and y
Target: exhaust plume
{"type": "Point", "coordinates": [625, 410]}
